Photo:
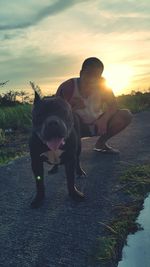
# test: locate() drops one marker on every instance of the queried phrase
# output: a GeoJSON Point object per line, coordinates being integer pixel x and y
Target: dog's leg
{"type": "Point", "coordinates": [75, 194]}
{"type": "Point", "coordinates": [77, 124]}
{"type": "Point", "coordinates": [38, 171]}
{"type": "Point", "coordinates": [79, 171]}
{"type": "Point", "coordinates": [37, 167]}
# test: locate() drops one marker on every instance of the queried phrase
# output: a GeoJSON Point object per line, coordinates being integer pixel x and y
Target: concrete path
{"type": "Point", "coordinates": [63, 233]}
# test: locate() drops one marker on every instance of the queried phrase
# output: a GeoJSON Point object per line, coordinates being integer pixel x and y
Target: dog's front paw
{"type": "Point", "coordinates": [37, 201]}
{"type": "Point", "coordinates": [76, 195]}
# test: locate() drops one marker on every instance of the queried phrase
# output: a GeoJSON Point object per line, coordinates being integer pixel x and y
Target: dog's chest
{"type": "Point", "coordinates": [52, 157]}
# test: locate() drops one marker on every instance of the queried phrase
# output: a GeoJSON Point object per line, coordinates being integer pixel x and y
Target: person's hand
{"type": "Point", "coordinates": [101, 125]}
{"type": "Point", "coordinates": [77, 103]}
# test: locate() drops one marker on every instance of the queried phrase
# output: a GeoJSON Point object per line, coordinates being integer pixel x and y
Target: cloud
{"type": "Point", "coordinates": [65, 32]}
{"type": "Point", "coordinates": [114, 16]}
{"type": "Point", "coordinates": [123, 7]}
{"type": "Point", "coordinates": [11, 35]}
{"type": "Point", "coordinates": [125, 24]}
{"type": "Point", "coordinates": [24, 14]}
{"type": "Point", "coordinates": [32, 65]}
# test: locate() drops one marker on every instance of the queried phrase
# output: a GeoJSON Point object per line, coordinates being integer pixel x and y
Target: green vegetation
{"type": "Point", "coordinates": [16, 118]}
{"type": "Point", "coordinates": [7, 156]}
{"type": "Point", "coordinates": [135, 102]}
{"type": "Point", "coordinates": [13, 145]}
{"type": "Point", "coordinates": [15, 125]}
{"type": "Point", "coordinates": [106, 248]}
{"type": "Point", "coordinates": [136, 183]}
{"type": "Point", "coordinates": [2, 136]}
{"type": "Point", "coordinates": [15, 111]}
{"type": "Point", "coordinates": [12, 98]}
{"type": "Point", "coordinates": [139, 180]}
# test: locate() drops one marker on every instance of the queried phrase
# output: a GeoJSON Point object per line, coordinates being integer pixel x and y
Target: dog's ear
{"type": "Point", "coordinates": [37, 92]}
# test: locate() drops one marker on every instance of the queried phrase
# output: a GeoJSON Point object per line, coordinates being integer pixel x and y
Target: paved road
{"type": "Point", "coordinates": [63, 233]}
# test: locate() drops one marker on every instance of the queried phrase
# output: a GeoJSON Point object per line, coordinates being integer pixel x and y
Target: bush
{"type": "Point", "coordinates": [136, 102]}
{"type": "Point", "coordinates": [16, 117]}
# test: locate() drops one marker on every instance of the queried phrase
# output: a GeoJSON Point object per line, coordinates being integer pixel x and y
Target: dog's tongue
{"type": "Point", "coordinates": [54, 144]}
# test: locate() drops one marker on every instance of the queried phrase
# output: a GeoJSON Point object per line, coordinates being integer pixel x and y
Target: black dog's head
{"type": "Point", "coordinates": [52, 120]}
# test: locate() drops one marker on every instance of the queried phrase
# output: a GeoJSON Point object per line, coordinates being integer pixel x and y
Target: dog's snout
{"type": "Point", "coordinates": [53, 123]}
{"type": "Point", "coordinates": [53, 128]}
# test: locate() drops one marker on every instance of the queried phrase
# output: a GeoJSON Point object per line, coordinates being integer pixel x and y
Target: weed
{"type": "Point", "coordinates": [16, 118]}
{"type": "Point", "coordinates": [115, 232]}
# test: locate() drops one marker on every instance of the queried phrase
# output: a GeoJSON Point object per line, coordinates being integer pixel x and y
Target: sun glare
{"type": "Point", "coordinates": [119, 78]}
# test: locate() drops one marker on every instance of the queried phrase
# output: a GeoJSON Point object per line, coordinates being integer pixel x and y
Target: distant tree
{"type": "Point", "coordinates": [24, 96]}
{"type": "Point", "coordinates": [3, 83]}
{"type": "Point", "coordinates": [9, 98]}
{"type": "Point", "coordinates": [133, 92]}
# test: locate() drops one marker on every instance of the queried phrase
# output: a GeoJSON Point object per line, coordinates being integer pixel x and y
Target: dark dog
{"type": "Point", "coordinates": [55, 139]}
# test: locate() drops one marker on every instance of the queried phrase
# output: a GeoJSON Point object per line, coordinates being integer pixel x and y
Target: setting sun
{"type": "Point", "coordinates": [118, 77]}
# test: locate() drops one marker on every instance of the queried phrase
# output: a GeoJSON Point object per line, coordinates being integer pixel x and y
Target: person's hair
{"type": "Point", "coordinates": [92, 62]}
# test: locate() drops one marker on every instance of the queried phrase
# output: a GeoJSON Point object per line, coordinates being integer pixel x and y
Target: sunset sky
{"type": "Point", "coordinates": [46, 42]}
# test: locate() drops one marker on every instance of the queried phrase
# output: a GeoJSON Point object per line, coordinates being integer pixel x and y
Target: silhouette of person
{"type": "Point", "coordinates": [95, 104]}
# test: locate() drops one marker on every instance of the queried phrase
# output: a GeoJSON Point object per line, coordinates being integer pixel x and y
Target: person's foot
{"type": "Point", "coordinates": [106, 149]}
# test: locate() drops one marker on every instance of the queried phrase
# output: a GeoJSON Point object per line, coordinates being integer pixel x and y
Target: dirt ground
{"type": "Point", "coordinates": [61, 232]}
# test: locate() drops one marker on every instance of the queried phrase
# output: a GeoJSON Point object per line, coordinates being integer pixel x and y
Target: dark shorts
{"type": "Point", "coordinates": [89, 130]}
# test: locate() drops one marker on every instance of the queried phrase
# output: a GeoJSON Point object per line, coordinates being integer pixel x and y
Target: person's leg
{"type": "Point", "coordinates": [85, 131]}
{"type": "Point", "coordinates": [119, 121]}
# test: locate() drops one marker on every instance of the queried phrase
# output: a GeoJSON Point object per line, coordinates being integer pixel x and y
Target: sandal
{"type": "Point", "coordinates": [106, 150]}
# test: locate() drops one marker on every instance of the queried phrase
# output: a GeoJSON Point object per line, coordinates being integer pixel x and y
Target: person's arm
{"type": "Point", "coordinates": [111, 105]}
{"type": "Point", "coordinates": [108, 98]}
{"type": "Point", "coordinates": [65, 90]}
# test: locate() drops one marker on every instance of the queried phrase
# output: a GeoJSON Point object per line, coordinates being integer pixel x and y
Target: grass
{"type": "Point", "coordinates": [2, 137]}
{"type": "Point", "coordinates": [136, 183]}
{"type": "Point", "coordinates": [16, 118]}
{"type": "Point", "coordinates": [138, 179]}
{"type": "Point", "coordinates": [106, 248]}
{"type": "Point", "coordinates": [13, 146]}
{"type": "Point", "coordinates": [7, 156]}
{"type": "Point", "coordinates": [135, 102]}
